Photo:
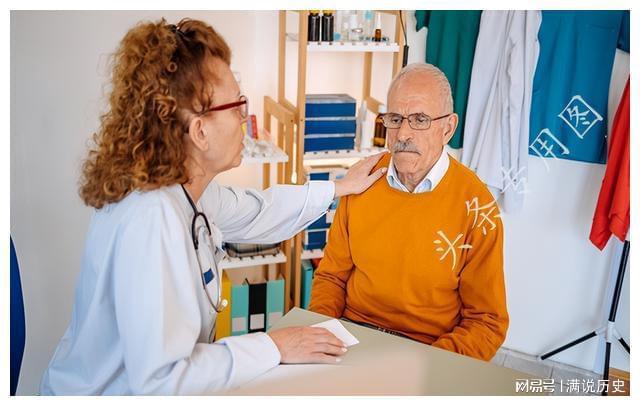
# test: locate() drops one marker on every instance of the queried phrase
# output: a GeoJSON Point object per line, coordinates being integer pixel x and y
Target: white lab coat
{"type": "Point", "coordinates": [141, 319]}
{"type": "Point", "coordinates": [496, 132]}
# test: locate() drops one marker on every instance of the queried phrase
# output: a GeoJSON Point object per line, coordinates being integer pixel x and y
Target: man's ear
{"type": "Point", "coordinates": [451, 123]}
{"type": "Point", "coordinates": [197, 134]}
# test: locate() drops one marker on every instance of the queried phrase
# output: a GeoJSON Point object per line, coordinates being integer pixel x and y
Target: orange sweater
{"type": "Point", "coordinates": [428, 265]}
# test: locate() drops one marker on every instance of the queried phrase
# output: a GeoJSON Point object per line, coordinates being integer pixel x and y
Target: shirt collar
{"type": "Point", "coordinates": [428, 183]}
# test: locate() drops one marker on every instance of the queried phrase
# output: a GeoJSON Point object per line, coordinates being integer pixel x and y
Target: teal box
{"type": "Point", "coordinates": [275, 301]}
{"type": "Point", "coordinates": [306, 282]}
{"type": "Point", "coordinates": [239, 309]}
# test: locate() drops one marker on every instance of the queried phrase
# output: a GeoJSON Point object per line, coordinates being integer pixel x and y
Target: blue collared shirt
{"type": "Point", "coordinates": [430, 181]}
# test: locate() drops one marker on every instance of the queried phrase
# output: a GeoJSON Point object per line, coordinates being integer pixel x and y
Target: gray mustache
{"type": "Point", "coordinates": [405, 146]}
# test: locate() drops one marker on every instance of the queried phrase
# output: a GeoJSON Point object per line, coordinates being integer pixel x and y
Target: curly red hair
{"type": "Point", "coordinates": [158, 70]}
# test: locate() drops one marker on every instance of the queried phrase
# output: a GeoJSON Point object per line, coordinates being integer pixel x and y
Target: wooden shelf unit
{"type": "Point", "coordinates": [294, 172]}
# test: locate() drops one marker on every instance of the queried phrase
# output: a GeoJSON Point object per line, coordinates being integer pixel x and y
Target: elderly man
{"type": "Point", "coordinates": [420, 254]}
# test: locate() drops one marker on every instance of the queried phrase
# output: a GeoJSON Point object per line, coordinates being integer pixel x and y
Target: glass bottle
{"type": "Point", "coordinates": [355, 30]}
{"type": "Point", "coordinates": [380, 131]}
{"type": "Point", "coordinates": [377, 36]}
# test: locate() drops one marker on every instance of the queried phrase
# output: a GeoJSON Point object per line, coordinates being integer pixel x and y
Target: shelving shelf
{"type": "Point", "coordinates": [267, 153]}
{"type": "Point", "coordinates": [311, 254]}
{"type": "Point", "coordinates": [348, 46]}
{"type": "Point", "coordinates": [273, 156]}
{"type": "Point", "coordinates": [256, 260]}
{"type": "Point", "coordinates": [272, 151]}
{"type": "Point", "coordinates": [293, 113]}
{"type": "Point", "coordinates": [342, 154]}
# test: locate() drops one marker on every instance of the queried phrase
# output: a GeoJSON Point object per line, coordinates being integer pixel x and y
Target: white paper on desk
{"type": "Point", "coordinates": [339, 331]}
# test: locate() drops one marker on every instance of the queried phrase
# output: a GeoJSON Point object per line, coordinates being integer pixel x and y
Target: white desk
{"type": "Point", "coordinates": [383, 364]}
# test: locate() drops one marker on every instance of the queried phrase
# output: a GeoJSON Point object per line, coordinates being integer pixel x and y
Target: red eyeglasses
{"type": "Point", "coordinates": [242, 103]}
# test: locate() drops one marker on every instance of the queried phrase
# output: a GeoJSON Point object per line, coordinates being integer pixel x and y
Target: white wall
{"type": "Point", "coordinates": [556, 280]}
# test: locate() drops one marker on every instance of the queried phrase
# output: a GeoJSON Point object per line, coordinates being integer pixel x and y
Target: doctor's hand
{"type": "Point", "coordinates": [307, 345]}
{"type": "Point", "coordinates": [359, 177]}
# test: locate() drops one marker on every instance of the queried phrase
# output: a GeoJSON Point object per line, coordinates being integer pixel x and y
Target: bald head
{"type": "Point", "coordinates": [419, 88]}
{"type": "Point", "coordinates": [426, 78]}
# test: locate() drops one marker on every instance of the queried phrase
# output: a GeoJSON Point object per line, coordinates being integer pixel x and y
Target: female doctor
{"type": "Point", "coordinates": [148, 293]}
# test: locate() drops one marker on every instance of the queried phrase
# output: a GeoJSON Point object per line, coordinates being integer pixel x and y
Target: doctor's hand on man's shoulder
{"type": "Point", "coordinates": [359, 177]}
{"type": "Point", "coordinates": [306, 345]}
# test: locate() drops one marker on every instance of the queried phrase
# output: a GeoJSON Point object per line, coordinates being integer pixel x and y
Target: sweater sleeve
{"type": "Point", "coordinates": [484, 318]}
{"type": "Point", "coordinates": [328, 293]}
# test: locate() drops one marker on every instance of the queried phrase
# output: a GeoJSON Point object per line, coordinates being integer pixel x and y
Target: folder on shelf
{"type": "Point", "coordinates": [319, 223]}
{"type": "Point", "coordinates": [324, 175]}
{"type": "Point", "coordinates": [239, 309]}
{"type": "Point", "coordinates": [330, 126]}
{"type": "Point", "coordinates": [306, 281]}
{"type": "Point", "coordinates": [326, 172]}
{"type": "Point", "coordinates": [330, 105]}
{"type": "Point", "coordinates": [322, 143]}
{"type": "Point", "coordinates": [257, 307]}
{"type": "Point", "coordinates": [275, 300]}
{"type": "Point", "coordinates": [331, 213]}
{"type": "Point", "coordinates": [315, 235]}
{"type": "Point", "coordinates": [223, 321]}
{"type": "Point", "coordinates": [253, 126]}
{"type": "Point", "coordinates": [315, 239]}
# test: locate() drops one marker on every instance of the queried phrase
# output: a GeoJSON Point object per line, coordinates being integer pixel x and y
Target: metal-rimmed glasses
{"type": "Point", "coordinates": [417, 121]}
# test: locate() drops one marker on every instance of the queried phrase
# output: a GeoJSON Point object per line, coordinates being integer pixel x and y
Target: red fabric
{"type": "Point", "coordinates": [612, 210]}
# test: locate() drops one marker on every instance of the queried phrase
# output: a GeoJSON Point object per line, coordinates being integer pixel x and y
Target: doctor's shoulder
{"type": "Point", "coordinates": [158, 204]}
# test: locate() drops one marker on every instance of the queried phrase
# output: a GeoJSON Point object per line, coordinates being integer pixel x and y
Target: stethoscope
{"type": "Point", "coordinates": [206, 276]}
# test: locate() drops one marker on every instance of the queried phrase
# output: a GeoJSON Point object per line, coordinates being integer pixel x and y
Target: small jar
{"type": "Point", "coordinates": [380, 131]}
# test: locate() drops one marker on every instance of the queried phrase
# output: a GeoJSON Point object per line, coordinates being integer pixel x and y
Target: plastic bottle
{"type": "Point", "coordinates": [337, 24]}
{"type": "Point", "coordinates": [313, 29]}
{"type": "Point", "coordinates": [368, 25]}
{"type": "Point", "coordinates": [327, 25]}
{"type": "Point", "coordinates": [380, 131]}
{"type": "Point", "coordinates": [344, 25]}
{"type": "Point", "coordinates": [344, 33]}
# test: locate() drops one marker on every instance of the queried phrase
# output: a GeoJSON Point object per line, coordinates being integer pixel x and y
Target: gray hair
{"type": "Point", "coordinates": [444, 88]}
